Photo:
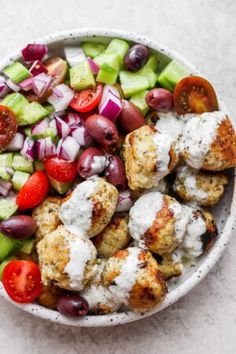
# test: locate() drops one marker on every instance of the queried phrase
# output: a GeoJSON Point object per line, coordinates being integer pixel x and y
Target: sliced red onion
{"type": "Point", "coordinates": [5, 187]}
{"type": "Point", "coordinates": [41, 84]}
{"type": "Point", "coordinates": [40, 149]}
{"type": "Point", "coordinates": [34, 52]}
{"type": "Point", "coordinates": [53, 126]}
{"type": "Point", "coordinates": [93, 66]}
{"type": "Point", "coordinates": [38, 68]}
{"type": "Point", "coordinates": [40, 127]}
{"type": "Point", "coordinates": [63, 128]}
{"type": "Point", "coordinates": [73, 120]}
{"type": "Point", "coordinates": [81, 135]}
{"type": "Point", "coordinates": [26, 84]}
{"type": "Point", "coordinates": [17, 143]}
{"type": "Point", "coordinates": [124, 202]}
{"type": "Point", "coordinates": [110, 105]}
{"type": "Point", "coordinates": [61, 97]}
{"type": "Point", "coordinates": [28, 149]}
{"type": "Point", "coordinates": [12, 86]}
{"type": "Point", "coordinates": [69, 149]}
{"type": "Point", "coordinates": [74, 55]}
{"type": "Point", "coordinates": [4, 89]}
{"type": "Point", "coordinates": [50, 148]}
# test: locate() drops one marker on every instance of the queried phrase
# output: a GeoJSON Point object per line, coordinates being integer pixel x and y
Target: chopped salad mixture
{"type": "Point", "coordinates": [108, 159]}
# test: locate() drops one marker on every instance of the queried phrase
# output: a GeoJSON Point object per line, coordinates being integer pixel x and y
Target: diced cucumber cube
{"type": "Point", "coordinates": [152, 62]}
{"type": "Point", "coordinates": [172, 74]}
{"type": "Point", "coordinates": [28, 245]}
{"type": "Point", "coordinates": [16, 102]}
{"type": "Point", "coordinates": [21, 163]}
{"type": "Point", "coordinates": [139, 100]}
{"type": "Point", "coordinates": [38, 165]}
{"type": "Point", "coordinates": [108, 62]}
{"type": "Point", "coordinates": [16, 72]}
{"type": "Point", "coordinates": [107, 77]}
{"type": "Point", "coordinates": [117, 47]}
{"type": "Point", "coordinates": [81, 76]}
{"type": "Point", "coordinates": [7, 207]}
{"type": "Point", "coordinates": [132, 83]}
{"type": "Point", "coordinates": [27, 132]}
{"type": "Point", "coordinates": [149, 73]}
{"type": "Point", "coordinates": [8, 246]}
{"type": "Point", "coordinates": [60, 187]}
{"type": "Point", "coordinates": [32, 113]}
{"type": "Point", "coordinates": [5, 161]}
{"type": "Point", "coordinates": [92, 49]}
{"type": "Point", "coordinates": [49, 107]}
{"type": "Point", "coordinates": [19, 178]}
{"type": "Point", "coordinates": [4, 263]}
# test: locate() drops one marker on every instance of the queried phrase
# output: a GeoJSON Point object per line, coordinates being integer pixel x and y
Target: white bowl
{"type": "Point", "coordinates": [224, 212]}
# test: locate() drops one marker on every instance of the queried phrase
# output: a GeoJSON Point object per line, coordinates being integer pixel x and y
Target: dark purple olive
{"type": "Point", "coordinates": [115, 172]}
{"type": "Point", "coordinates": [18, 227]}
{"type": "Point", "coordinates": [130, 117]}
{"type": "Point", "coordinates": [72, 305]}
{"type": "Point", "coordinates": [136, 57]}
{"type": "Point", "coordinates": [103, 130]}
{"type": "Point", "coordinates": [160, 99]}
{"type": "Point", "coordinates": [92, 161]}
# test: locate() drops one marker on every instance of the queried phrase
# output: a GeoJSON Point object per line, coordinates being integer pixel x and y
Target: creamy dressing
{"type": "Point", "coordinates": [98, 164]}
{"type": "Point", "coordinates": [76, 213]}
{"type": "Point", "coordinates": [163, 144]}
{"type": "Point", "coordinates": [143, 214]}
{"type": "Point", "coordinates": [169, 123]}
{"type": "Point", "coordinates": [81, 251]}
{"type": "Point", "coordinates": [192, 243]}
{"type": "Point", "coordinates": [198, 135]}
{"type": "Point", "coordinates": [162, 187]}
{"type": "Point", "coordinates": [181, 219]}
{"type": "Point", "coordinates": [126, 280]}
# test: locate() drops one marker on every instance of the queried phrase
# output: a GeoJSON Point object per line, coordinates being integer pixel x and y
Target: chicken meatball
{"type": "Point", "coordinates": [201, 232]}
{"type": "Point", "coordinates": [134, 278]}
{"type": "Point", "coordinates": [209, 142]}
{"type": "Point", "coordinates": [90, 207]}
{"type": "Point", "coordinates": [168, 266]}
{"type": "Point", "coordinates": [149, 156]}
{"type": "Point", "coordinates": [66, 259]}
{"type": "Point", "coordinates": [114, 237]}
{"type": "Point", "coordinates": [46, 216]}
{"type": "Point", "coordinates": [157, 222]}
{"type": "Point", "coordinates": [49, 295]}
{"type": "Point", "coordinates": [204, 188]}
{"type": "Point", "coordinates": [99, 298]}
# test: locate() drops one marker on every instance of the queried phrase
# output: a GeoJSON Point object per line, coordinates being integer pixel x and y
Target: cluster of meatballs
{"type": "Point", "coordinates": [123, 260]}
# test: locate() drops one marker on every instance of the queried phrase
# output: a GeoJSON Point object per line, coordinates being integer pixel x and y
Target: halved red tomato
{"type": "Point", "coordinates": [60, 169]}
{"type": "Point", "coordinates": [22, 281]}
{"type": "Point", "coordinates": [194, 94]}
{"type": "Point", "coordinates": [8, 126]}
{"type": "Point", "coordinates": [86, 100]}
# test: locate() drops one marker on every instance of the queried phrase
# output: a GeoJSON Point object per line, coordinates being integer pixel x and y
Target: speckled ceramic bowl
{"type": "Point", "coordinates": [224, 213]}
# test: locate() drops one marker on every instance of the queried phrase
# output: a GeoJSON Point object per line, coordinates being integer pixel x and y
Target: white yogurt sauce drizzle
{"type": "Point", "coordinates": [169, 123]}
{"type": "Point", "coordinates": [143, 214]}
{"type": "Point", "coordinates": [76, 212]}
{"type": "Point", "coordinates": [198, 135]}
{"type": "Point", "coordinates": [188, 176]}
{"type": "Point", "coordinates": [181, 219]}
{"type": "Point", "coordinates": [98, 164]}
{"type": "Point", "coordinates": [80, 252]}
{"type": "Point", "coordinates": [126, 280]}
{"type": "Point", "coordinates": [163, 144]}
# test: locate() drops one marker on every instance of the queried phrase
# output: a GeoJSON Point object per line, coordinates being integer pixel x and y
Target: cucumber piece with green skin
{"type": "Point", "coordinates": [28, 245]}
{"type": "Point", "coordinates": [118, 48]}
{"type": "Point", "coordinates": [109, 68]}
{"type": "Point", "coordinates": [8, 246]}
{"type": "Point", "coordinates": [172, 74]}
{"type": "Point", "coordinates": [20, 163]}
{"type": "Point", "coordinates": [60, 187]}
{"type": "Point", "coordinates": [4, 263]}
{"type": "Point", "coordinates": [19, 179]}
{"type": "Point", "coordinates": [32, 113]}
{"type": "Point", "coordinates": [38, 165]}
{"type": "Point", "coordinates": [17, 72]}
{"type": "Point", "coordinates": [81, 76]}
{"type": "Point", "coordinates": [5, 161]}
{"type": "Point", "coordinates": [133, 83]}
{"type": "Point", "coordinates": [92, 49]}
{"type": "Point", "coordinates": [107, 76]}
{"type": "Point", "coordinates": [27, 132]}
{"type": "Point", "coordinates": [152, 62]}
{"type": "Point", "coordinates": [16, 102]}
{"type": "Point", "coordinates": [49, 107]}
{"type": "Point", "coordinates": [139, 100]}
{"type": "Point", "coordinates": [8, 207]}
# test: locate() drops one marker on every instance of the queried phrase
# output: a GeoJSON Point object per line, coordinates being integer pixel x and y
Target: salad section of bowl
{"type": "Point", "coordinates": [224, 212]}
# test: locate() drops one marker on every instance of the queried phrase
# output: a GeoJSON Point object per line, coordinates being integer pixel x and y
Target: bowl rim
{"type": "Point", "coordinates": [210, 259]}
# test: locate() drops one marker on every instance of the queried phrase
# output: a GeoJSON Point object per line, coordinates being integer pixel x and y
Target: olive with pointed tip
{"type": "Point", "coordinates": [18, 227]}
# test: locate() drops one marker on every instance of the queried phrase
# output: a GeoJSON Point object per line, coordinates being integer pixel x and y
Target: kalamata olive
{"type": "Point", "coordinates": [18, 227]}
{"type": "Point", "coordinates": [130, 117]}
{"type": "Point", "coordinates": [136, 57]}
{"type": "Point", "coordinates": [72, 305]}
{"type": "Point", "coordinates": [57, 68]}
{"type": "Point", "coordinates": [103, 130]}
{"type": "Point", "coordinates": [115, 172]}
{"type": "Point", "coordinates": [160, 99]}
{"type": "Point", "coordinates": [91, 162]}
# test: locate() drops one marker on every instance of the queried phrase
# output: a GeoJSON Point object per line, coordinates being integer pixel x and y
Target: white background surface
{"type": "Point", "coordinates": [204, 31]}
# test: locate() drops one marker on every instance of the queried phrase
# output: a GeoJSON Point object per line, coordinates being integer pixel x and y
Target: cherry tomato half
{"type": "Point", "coordinates": [22, 281]}
{"type": "Point", "coordinates": [60, 169]}
{"type": "Point", "coordinates": [33, 191]}
{"type": "Point", "coordinates": [8, 126]}
{"type": "Point", "coordinates": [194, 94]}
{"type": "Point", "coordinates": [86, 100]}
